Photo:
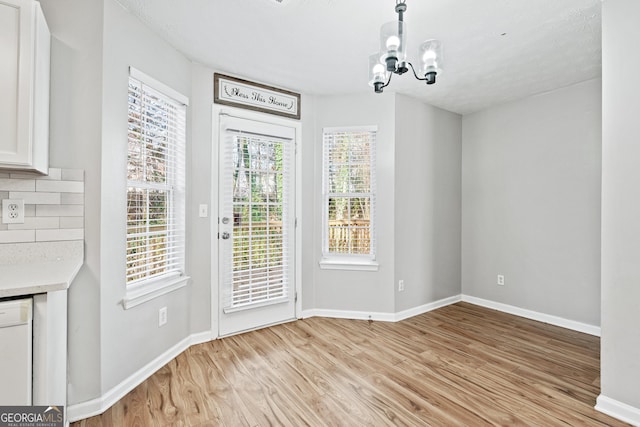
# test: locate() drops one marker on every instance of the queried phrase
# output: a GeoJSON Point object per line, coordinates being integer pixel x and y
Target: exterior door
{"type": "Point", "coordinates": [256, 224]}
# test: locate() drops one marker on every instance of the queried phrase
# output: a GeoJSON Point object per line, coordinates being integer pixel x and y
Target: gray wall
{"type": "Point", "coordinates": [94, 44]}
{"type": "Point", "coordinates": [620, 202]}
{"type": "Point", "coordinates": [427, 205]}
{"type": "Point", "coordinates": [418, 205]}
{"type": "Point", "coordinates": [130, 338]}
{"type": "Point", "coordinates": [75, 136]}
{"type": "Point", "coordinates": [200, 173]}
{"type": "Point", "coordinates": [531, 203]}
{"type": "Point", "coordinates": [358, 290]}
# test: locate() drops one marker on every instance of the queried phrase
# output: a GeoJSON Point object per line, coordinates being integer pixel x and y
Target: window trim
{"type": "Point", "coordinates": [356, 262]}
{"type": "Point", "coordinates": [145, 290]}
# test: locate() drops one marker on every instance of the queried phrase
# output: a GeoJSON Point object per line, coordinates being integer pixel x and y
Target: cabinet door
{"type": "Point", "coordinates": [15, 29]}
{"type": "Point", "coordinates": [24, 49]}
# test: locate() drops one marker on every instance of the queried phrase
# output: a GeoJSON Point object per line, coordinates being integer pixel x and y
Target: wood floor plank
{"type": "Point", "coordinates": [458, 365]}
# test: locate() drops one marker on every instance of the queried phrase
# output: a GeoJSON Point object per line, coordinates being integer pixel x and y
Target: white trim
{"type": "Point", "coordinates": [90, 408]}
{"type": "Point", "coordinates": [425, 308]}
{"type": "Point", "coordinates": [345, 314]}
{"type": "Point", "coordinates": [146, 293]}
{"type": "Point", "coordinates": [158, 85]}
{"type": "Point", "coordinates": [622, 411]}
{"type": "Point", "coordinates": [534, 315]}
{"type": "Point", "coordinates": [371, 128]}
{"type": "Point", "coordinates": [382, 317]}
{"type": "Point", "coordinates": [354, 264]}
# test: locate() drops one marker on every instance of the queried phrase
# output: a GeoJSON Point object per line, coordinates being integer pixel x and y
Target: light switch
{"type": "Point", "coordinates": [203, 211]}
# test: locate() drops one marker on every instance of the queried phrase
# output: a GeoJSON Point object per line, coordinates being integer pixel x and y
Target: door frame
{"type": "Point", "coordinates": [217, 110]}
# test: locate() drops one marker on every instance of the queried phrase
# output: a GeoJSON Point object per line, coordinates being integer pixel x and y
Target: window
{"type": "Point", "coordinates": [349, 197]}
{"type": "Point", "coordinates": [155, 183]}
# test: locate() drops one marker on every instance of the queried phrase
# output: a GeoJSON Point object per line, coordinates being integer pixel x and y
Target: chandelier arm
{"type": "Point", "coordinates": [414, 72]}
{"type": "Point", "coordinates": [388, 81]}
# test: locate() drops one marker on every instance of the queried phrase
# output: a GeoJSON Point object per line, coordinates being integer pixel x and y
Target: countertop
{"type": "Point", "coordinates": [35, 268]}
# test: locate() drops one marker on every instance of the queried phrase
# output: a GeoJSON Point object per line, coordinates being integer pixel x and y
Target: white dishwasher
{"type": "Point", "coordinates": [16, 347]}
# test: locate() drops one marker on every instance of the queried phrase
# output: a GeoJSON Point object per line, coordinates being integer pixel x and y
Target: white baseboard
{"type": "Point", "coordinates": [381, 317]}
{"type": "Point", "coordinates": [425, 308]}
{"type": "Point", "coordinates": [348, 314]}
{"type": "Point", "coordinates": [97, 406]}
{"type": "Point", "coordinates": [622, 411]}
{"type": "Point", "coordinates": [534, 315]}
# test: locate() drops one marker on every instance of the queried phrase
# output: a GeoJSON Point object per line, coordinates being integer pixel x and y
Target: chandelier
{"type": "Point", "coordinates": [392, 56]}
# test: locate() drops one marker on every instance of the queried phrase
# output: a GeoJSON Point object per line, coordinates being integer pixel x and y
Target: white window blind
{"type": "Point", "coordinates": [349, 188]}
{"type": "Point", "coordinates": [256, 190]}
{"type": "Point", "coordinates": [155, 182]}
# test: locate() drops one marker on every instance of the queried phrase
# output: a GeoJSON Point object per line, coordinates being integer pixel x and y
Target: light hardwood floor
{"type": "Point", "coordinates": [458, 365]}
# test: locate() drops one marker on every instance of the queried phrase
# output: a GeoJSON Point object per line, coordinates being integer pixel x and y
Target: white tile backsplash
{"type": "Point", "coordinates": [72, 198]}
{"type": "Point", "coordinates": [73, 175]}
{"type": "Point", "coordinates": [71, 222]}
{"type": "Point", "coordinates": [7, 184]}
{"type": "Point", "coordinates": [36, 223]}
{"type": "Point", "coordinates": [33, 198]}
{"type": "Point", "coordinates": [54, 174]}
{"type": "Point", "coordinates": [53, 205]}
{"type": "Point", "coordinates": [17, 236]}
{"type": "Point", "coordinates": [60, 186]}
{"type": "Point", "coordinates": [59, 210]}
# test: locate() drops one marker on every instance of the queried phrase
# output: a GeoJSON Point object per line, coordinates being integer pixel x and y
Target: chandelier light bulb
{"type": "Point", "coordinates": [393, 42]}
{"type": "Point", "coordinates": [429, 55]}
{"type": "Point", "coordinates": [378, 74]}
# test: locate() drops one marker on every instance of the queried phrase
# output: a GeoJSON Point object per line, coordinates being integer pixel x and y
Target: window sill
{"type": "Point", "coordinates": [147, 291]}
{"type": "Point", "coordinates": [348, 264]}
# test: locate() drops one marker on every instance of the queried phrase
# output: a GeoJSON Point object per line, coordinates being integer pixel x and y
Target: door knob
{"type": "Point", "coordinates": [225, 235]}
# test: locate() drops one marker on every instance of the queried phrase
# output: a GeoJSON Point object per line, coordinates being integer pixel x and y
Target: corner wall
{"type": "Point", "coordinates": [620, 354]}
{"type": "Point", "coordinates": [531, 203]}
{"type": "Point", "coordinates": [131, 338]}
{"type": "Point", "coordinates": [427, 227]}
{"type": "Point", "coordinates": [357, 291]}
{"type": "Point", "coordinates": [75, 139]}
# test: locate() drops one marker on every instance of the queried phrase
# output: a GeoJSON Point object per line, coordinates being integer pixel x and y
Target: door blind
{"type": "Point", "coordinates": [256, 204]}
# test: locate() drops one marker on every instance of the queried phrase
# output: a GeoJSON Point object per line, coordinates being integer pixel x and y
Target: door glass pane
{"type": "Point", "coordinates": [258, 209]}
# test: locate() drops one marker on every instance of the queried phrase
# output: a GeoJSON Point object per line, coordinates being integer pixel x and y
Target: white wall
{"type": "Point", "coordinates": [428, 144]}
{"type": "Point", "coordinates": [531, 203]}
{"type": "Point", "coordinates": [370, 292]}
{"type": "Point", "coordinates": [620, 353]}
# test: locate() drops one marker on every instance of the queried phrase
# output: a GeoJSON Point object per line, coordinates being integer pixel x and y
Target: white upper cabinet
{"type": "Point", "coordinates": [25, 44]}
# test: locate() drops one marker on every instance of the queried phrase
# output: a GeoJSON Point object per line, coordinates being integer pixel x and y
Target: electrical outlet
{"type": "Point", "coordinates": [400, 285]}
{"type": "Point", "coordinates": [162, 316]}
{"type": "Point", "coordinates": [13, 211]}
{"type": "Point", "coordinates": [500, 280]}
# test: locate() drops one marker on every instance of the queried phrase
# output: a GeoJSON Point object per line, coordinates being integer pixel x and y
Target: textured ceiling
{"type": "Point", "coordinates": [495, 51]}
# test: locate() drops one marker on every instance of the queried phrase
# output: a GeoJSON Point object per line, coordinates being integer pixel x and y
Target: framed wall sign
{"type": "Point", "coordinates": [241, 93]}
